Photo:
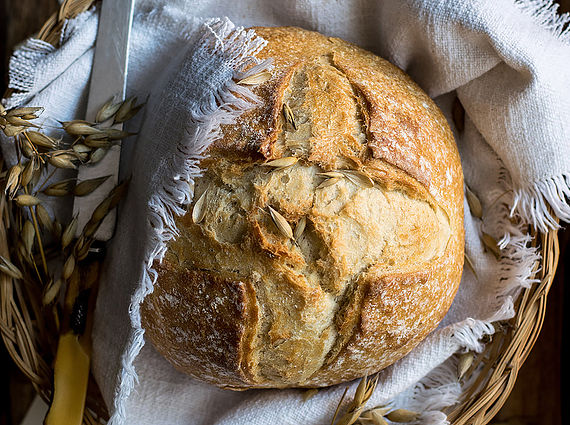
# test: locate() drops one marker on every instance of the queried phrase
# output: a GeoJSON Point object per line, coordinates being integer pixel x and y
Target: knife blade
{"type": "Point", "coordinates": [108, 80]}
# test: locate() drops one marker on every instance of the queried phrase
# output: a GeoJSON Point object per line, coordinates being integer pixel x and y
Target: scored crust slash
{"type": "Point", "coordinates": [325, 240]}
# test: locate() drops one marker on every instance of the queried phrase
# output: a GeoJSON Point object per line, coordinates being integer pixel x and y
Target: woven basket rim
{"type": "Point", "coordinates": [479, 403]}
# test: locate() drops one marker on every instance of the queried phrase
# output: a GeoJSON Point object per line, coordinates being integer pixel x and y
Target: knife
{"type": "Point", "coordinates": [73, 356]}
{"type": "Point", "coordinates": [108, 80]}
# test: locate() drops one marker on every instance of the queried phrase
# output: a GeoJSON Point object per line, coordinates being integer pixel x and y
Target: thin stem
{"type": "Point", "coordinates": [338, 406]}
{"type": "Point", "coordinates": [36, 269]}
{"type": "Point", "coordinates": [40, 245]}
{"type": "Point", "coordinates": [37, 229]}
{"type": "Point", "coordinates": [47, 180]}
{"type": "Point", "coordinates": [32, 259]}
{"type": "Point", "coordinates": [18, 149]}
{"type": "Point", "coordinates": [31, 144]}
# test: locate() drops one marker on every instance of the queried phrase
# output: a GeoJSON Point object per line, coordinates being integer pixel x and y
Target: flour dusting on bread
{"type": "Point", "coordinates": [242, 303]}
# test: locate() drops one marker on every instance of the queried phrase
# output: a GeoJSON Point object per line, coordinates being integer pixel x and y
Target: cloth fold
{"type": "Point", "coordinates": [507, 63]}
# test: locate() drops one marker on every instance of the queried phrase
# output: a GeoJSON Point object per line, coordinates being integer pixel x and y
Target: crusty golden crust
{"type": "Point", "coordinates": [376, 268]}
{"type": "Point", "coordinates": [207, 323]}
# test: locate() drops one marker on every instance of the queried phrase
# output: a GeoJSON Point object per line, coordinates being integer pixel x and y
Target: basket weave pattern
{"type": "Point", "coordinates": [32, 346]}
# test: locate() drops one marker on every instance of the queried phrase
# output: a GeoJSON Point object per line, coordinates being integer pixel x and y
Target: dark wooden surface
{"type": "Point", "coordinates": [537, 396]}
{"type": "Point", "coordinates": [19, 19]}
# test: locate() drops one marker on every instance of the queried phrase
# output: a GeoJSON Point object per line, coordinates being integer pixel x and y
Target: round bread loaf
{"type": "Point", "coordinates": [247, 297]}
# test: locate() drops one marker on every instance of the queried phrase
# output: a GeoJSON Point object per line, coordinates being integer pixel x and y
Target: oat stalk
{"type": "Point", "coordinates": [39, 156]}
{"type": "Point", "coordinates": [39, 238]}
{"type": "Point", "coordinates": [363, 393]}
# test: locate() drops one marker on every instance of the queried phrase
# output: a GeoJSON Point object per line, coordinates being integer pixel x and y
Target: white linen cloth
{"type": "Point", "coordinates": [507, 62]}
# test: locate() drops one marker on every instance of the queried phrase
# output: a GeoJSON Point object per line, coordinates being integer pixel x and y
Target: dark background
{"type": "Point", "coordinates": [537, 395]}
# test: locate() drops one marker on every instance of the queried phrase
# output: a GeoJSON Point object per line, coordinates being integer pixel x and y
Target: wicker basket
{"type": "Point", "coordinates": [26, 338]}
